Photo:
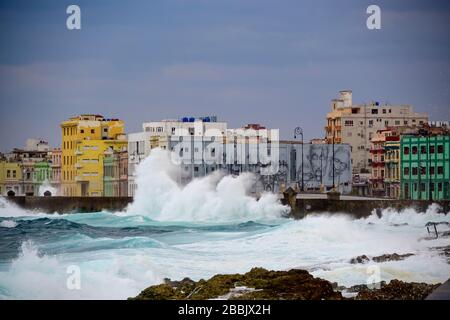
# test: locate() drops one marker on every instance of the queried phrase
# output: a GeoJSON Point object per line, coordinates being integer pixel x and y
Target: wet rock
{"type": "Point", "coordinates": [360, 259]}
{"type": "Point", "coordinates": [398, 290]}
{"type": "Point", "coordinates": [383, 258]}
{"type": "Point", "coordinates": [444, 251]}
{"type": "Point", "coordinates": [263, 284]}
{"type": "Point", "coordinates": [365, 287]}
{"type": "Point", "coordinates": [392, 257]}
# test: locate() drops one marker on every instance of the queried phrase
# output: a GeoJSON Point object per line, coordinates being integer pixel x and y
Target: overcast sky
{"type": "Point", "coordinates": [278, 63]}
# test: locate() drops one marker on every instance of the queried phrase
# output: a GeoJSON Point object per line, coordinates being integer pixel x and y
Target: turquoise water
{"type": "Point", "coordinates": [207, 227]}
{"type": "Point", "coordinates": [119, 255]}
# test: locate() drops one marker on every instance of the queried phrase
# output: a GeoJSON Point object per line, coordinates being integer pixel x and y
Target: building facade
{"type": "Point", "coordinates": [357, 124]}
{"type": "Point", "coordinates": [10, 178]}
{"type": "Point", "coordinates": [85, 138]}
{"type": "Point", "coordinates": [55, 164]}
{"type": "Point", "coordinates": [115, 177]}
{"type": "Point", "coordinates": [425, 167]}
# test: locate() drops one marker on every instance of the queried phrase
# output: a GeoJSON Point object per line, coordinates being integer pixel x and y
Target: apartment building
{"type": "Point", "coordinates": [85, 138]}
{"type": "Point", "coordinates": [357, 124]}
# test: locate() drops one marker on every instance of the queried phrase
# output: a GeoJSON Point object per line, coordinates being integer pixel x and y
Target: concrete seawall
{"type": "Point", "coordinates": [70, 204]}
{"type": "Point", "coordinates": [303, 207]}
{"type": "Point", "coordinates": [361, 208]}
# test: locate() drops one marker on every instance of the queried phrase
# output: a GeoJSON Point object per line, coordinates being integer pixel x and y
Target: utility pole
{"type": "Point", "coordinates": [333, 162]}
{"type": "Point", "coordinates": [299, 131]}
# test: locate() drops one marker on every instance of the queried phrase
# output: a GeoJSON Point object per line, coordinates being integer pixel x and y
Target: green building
{"type": "Point", "coordinates": [42, 174]}
{"type": "Point", "coordinates": [110, 175]}
{"type": "Point", "coordinates": [425, 167]}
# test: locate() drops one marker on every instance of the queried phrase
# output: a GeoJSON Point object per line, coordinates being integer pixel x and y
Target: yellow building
{"type": "Point", "coordinates": [85, 138]}
{"type": "Point", "coordinates": [10, 177]}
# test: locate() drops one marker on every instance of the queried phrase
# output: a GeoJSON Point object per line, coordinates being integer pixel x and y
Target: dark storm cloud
{"type": "Point", "coordinates": [274, 62]}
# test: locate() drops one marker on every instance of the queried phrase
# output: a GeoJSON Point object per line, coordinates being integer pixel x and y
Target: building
{"type": "Point", "coordinates": [85, 138]}
{"type": "Point", "coordinates": [392, 165]}
{"type": "Point", "coordinates": [357, 124]}
{"type": "Point", "coordinates": [115, 177]}
{"type": "Point", "coordinates": [10, 178]}
{"type": "Point", "coordinates": [377, 163]}
{"type": "Point", "coordinates": [425, 166]}
{"type": "Point", "coordinates": [165, 134]}
{"type": "Point", "coordinates": [55, 164]}
{"type": "Point", "coordinates": [42, 175]}
{"type": "Point", "coordinates": [252, 148]}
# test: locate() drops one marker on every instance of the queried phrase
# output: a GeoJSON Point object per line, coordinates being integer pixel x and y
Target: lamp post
{"type": "Point", "coordinates": [299, 131]}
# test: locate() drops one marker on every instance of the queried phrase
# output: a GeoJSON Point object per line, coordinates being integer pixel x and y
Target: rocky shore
{"type": "Point", "coordinates": [295, 284]}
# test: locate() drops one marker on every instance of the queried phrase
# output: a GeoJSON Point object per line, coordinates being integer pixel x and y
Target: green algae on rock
{"type": "Point", "coordinates": [294, 284]}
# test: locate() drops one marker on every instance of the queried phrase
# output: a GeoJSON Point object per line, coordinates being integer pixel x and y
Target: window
{"type": "Point", "coordinates": [440, 170]}
{"type": "Point", "coordinates": [431, 170]}
{"type": "Point", "coordinates": [415, 186]}
{"type": "Point", "coordinates": [390, 110]}
{"type": "Point", "coordinates": [423, 170]}
{"type": "Point", "coordinates": [374, 111]}
{"type": "Point", "coordinates": [82, 130]}
{"type": "Point", "coordinates": [397, 122]}
{"type": "Point", "coordinates": [423, 149]}
{"type": "Point", "coordinates": [8, 173]}
{"type": "Point", "coordinates": [105, 129]}
{"type": "Point", "coordinates": [405, 122]}
{"type": "Point", "coordinates": [431, 186]}
{"type": "Point", "coordinates": [92, 131]}
{"type": "Point", "coordinates": [422, 187]}
{"type": "Point", "coordinates": [406, 171]}
{"type": "Point", "coordinates": [440, 186]}
{"type": "Point", "coordinates": [348, 123]}
{"type": "Point", "coordinates": [384, 110]}
{"type": "Point", "coordinates": [414, 171]}
{"type": "Point", "coordinates": [14, 173]}
{"type": "Point", "coordinates": [406, 150]}
{"type": "Point", "coordinates": [370, 123]}
{"type": "Point", "coordinates": [173, 130]}
{"type": "Point", "coordinates": [386, 122]}
{"type": "Point", "coordinates": [195, 169]}
{"type": "Point", "coordinates": [431, 149]}
{"type": "Point", "coordinates": [440, 148]}
{"type": "Point", "coordinates": [414, 150]}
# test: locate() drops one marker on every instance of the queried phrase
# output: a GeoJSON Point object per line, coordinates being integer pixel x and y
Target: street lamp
{"type": "Point", "coordinates": [299, 131]}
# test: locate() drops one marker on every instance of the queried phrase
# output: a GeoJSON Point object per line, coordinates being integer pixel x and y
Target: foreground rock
{"type": "Point", "coordinates": [261, 284]}
{"type": "Point", "coordinates": [398, 290]}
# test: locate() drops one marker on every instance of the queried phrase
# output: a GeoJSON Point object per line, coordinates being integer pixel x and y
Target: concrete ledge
{"type": "Point", "coordinates": [70, 204]}
{"type": "Point", "coordinates": [302, 207]}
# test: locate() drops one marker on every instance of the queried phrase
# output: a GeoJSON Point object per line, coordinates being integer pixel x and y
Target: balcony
{"type": "Point", "coordinates": [78, 165]}
{"type": "Point", "coordinates": [376, 150]}
{"type": "Point", "coordinates": [78, 153]}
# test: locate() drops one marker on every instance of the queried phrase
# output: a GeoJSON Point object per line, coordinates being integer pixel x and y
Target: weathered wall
{"type": "Point", "coordinates": [361, 208]}
{"type": "Point", "coordinates": [355, 208]}
{"type": "Point", "coordinates": [71, 204]}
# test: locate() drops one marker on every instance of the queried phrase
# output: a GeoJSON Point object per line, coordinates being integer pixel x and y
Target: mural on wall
{"type": "Point", "coordinates": [318, 166]}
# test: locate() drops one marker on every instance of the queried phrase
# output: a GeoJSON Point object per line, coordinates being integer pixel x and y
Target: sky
{"type": "Point", "coordinates": [273, 62]}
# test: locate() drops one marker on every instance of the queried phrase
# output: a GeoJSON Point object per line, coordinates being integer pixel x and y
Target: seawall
{"type": "Point", "coordinates": [302, 207]}
{"type": "Point", "coordinates": [361, 208]}
{"type": "Point", "coordinates": [70, 204]}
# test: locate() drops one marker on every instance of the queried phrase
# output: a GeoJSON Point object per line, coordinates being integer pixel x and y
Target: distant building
{"type": "Point", "coordinates": [85, 138]}
{"type": "Point", "coordinates": [425, 167]}
{"type": "Point", "coordinates": [55, 158]}
{"type": "Point", "coordinates": [115, 173]}
{"type": "Point", "coordinates": [357, 124]}
{"type": "Point", "coordinates": [163, 134]}
{"type": "Point", "coordinates": [10, 177]}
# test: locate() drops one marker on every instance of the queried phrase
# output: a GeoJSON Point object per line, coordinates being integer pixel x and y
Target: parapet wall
{"type": "Point", "coordinates": [71, 204]}
{"type": "Point", "coordinates": [362, 208]}
{"type": "Point", "coordinates": [355, 208]}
